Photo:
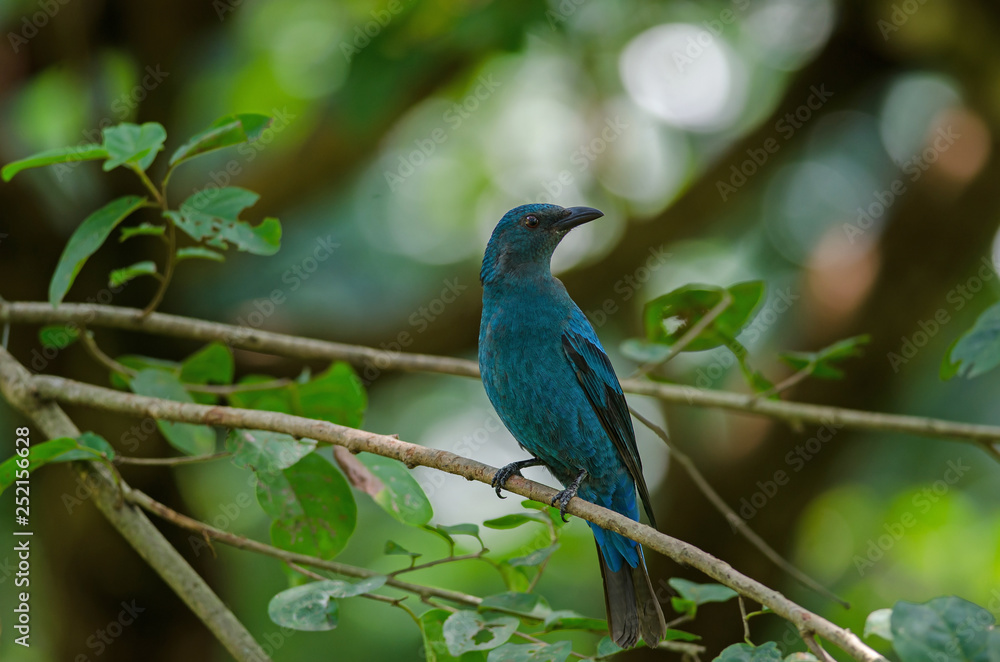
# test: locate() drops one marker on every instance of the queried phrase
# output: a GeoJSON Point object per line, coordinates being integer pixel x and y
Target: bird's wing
{"type": "Point", "coordinates": [597, 377]}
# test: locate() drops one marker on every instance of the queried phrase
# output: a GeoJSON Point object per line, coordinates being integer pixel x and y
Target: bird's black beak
{"type": "Point", "coordinates": [576, 216]}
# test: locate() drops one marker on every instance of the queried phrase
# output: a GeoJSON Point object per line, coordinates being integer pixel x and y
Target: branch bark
{"type": "Point", "coordinates": [77, 393]}
{"type": "Point", "coordinates": [16, 384]}
{"type": "Point", "coordinates": [986, 437]}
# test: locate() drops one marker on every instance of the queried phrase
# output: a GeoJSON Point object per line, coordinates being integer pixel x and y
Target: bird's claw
{"type": "Point", "coordinates": [502, 475]}
{"type": "Point", "coordinates": [563, 498]}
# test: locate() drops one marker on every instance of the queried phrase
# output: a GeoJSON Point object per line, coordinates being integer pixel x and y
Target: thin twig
{"type": "Point", "coordinates": [169, 461]}
{"type": "Point", "coordinates": [810, 639]}
{"type": "Point", "coordinates": [788, 382]}
{"type": "Point", "coordinates": [354, 440]}
{"type": "Point", "coordinates": [431, 564]}
{"type": "Point", "coordinates": [375, 361]}
{"type": "Point", "coordinates": [240, 542]}
{"type": "Point", "coordinates": [737, 522]}
{"type": "Point", "coordinates": [746, 621]}
{"type": "Point", "coordinates": [689, 336]}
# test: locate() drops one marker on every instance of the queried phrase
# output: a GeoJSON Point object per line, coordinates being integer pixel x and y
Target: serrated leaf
{"type": "Point", "coordinates": [199, 253]}
{"type": "Point", "coordinates": [536, 557]}
{"type": "Point", "coordinates": [58, 336]}
{"type": "Point", "coordinates": [878, 623]}
{"type": "Point", "coordinates": [746, 653]}
{"type": "Point", "coordinates": [402, 497]}
{"type": "Point", "coordinates": [125, 274]}
{"type": "Point", "coordinates": [266, 452]}
{"type": "Point", "coordinates": [311, 505]}
{"type": "Point", "coordinates": [668, 317]}
{"type": "Point", "coordinates": [142, 229]}
{"type": "Point", "coordinates": [88, 152]}
{"type": "Point", "coordinates": [514, 520]}
{"type": "Point", "coordinates": [555, 652]}
{"type": "Point", "coordinates": [224, 132]}
{"type": "Point", "coordinates": [86, 239]}
{"type": "Point", "coordinates": [133, 144]}
{"type": "Point", "coordinates": [946, 629]}
{"type": "Point", "coordinates": [470, 631]}
{"type": "Point", "coordinates": [977, 351]}
{"type": "Point", "coordinates": [527, 605]}
{"type": "Point", "coordinates": [212, 215]}
{"type": "Point", "coordinates": [435, 650]}
{"type": "Point", "coordinates": [185, 437]}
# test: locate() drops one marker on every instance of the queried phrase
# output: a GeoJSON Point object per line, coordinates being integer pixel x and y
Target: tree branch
{"type": "Point", "coordinates": [985, 436]}
{"type": "Point", "coordinates": [16, 386]}
{"type": "Point", "coordinates": [77, 393]}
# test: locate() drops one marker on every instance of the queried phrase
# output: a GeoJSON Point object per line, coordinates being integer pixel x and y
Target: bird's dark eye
{"type": "Point", "coordinates": [531, 221]}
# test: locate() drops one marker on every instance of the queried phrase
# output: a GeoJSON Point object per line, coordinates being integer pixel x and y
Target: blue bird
{"type": "Point", "coordinates": [554, 388]}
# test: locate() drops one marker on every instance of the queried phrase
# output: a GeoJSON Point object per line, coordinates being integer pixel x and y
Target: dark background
{"type": "Point", "coordinates": [542, 86]}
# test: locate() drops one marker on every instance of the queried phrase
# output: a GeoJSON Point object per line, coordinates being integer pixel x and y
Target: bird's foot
{"type": "Point", "coordinates": [563, 498]}
{"type": "Point", "coordinates": [504, 473]}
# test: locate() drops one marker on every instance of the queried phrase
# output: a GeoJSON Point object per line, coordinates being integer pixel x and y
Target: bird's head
{"type": "Point", "coordinates": [527, 235]}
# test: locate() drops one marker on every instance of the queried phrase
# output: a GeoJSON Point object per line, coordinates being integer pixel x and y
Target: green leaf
{"type": "Point", "coordinates": [212, 364]}
{"type": "Point", "coordinates": [395, 549]}
{"type": "Point", "coordinates": [88, 152]}
{"type": "Point", "coordinates": [185, 437]}
{"type": "Point", "coordinates": [947, 629]}
{"type": "Point", "coordinates": [977, 351]}
{"type": "Point", "coordinates": [402, 496]}
{"type": "Point", "coordinates": [702, 593]}
{"type": "Point", "coordinates": [335, 395]}
{"type": "Point", "coordinates": [445, 532]}
{"type": "Point", "coordinates": [435, 648]}
{"type": "Point", "coordinates": [470, 631]}
{"type": "Point", "coordinates": [514, 520]}
{"type": "Point", "coordinates": [311, 607]}
{"type": "Point", "coordinates": [212, 215]}
{"type": "Point", "coordinates": [312, 507]}
{"type": "Point", "coordinates": [86, 239]}
{"type": "Point", "coordinates": [746, 653]}
{"type": "Point", "coordinates": [644, 351]}
{"type": "Point", "coordinates": [606, 647]}
{"type": "Point", "coordinates": [515, 578]}
{"type": "Point", "coordinates": [137, 363]}
{"type": "Point", "coordinates": [197, 252]}
{"type": "Point", "coordinates": [224, 132]}
{"type": "Point", "coordinates": [527, 605]}
{"type": "Point", "coordinates": [754, 378]}
{"type": "Point", "coordinates": [820, 364]}
{"type": "Point", "coordinates": [140, 230]}
{"type": "Point", "coordinates": [668, 317]}
{"type": "Point", "coordinates": [133, 144]}
{"type": "Point", "coordinates": [536, 557]}
{"type": "Point", "coordinates": [554, 515]}
{"type": "Point", "coordinates": [58, 336]}
{"type": "Point", "coordinates": [565, 619]}
{"type": "Point", "coordinates": [266, 452]}
{"type": "Point", "coordinates": [125, 274]}
{"type": "Point", "coordinates": [88, 446]}
{"type": "Point", "coordinates": [556, 652]}
{"type": "Point", "coordinates": [878, 623]}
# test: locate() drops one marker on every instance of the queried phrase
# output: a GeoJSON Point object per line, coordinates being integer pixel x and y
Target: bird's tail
{"type": "Point", "coordinates": [633, 610]}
